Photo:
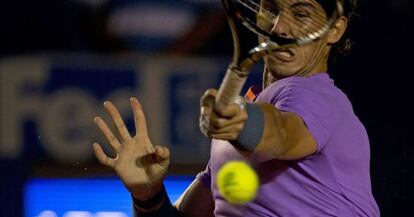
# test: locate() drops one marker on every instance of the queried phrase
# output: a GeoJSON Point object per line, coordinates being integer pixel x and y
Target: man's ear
{"type": "Point", "coordinates": [337, 30]}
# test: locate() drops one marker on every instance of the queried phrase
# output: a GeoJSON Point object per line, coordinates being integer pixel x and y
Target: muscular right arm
{"type": "Point", "coordinates": [196, 201]}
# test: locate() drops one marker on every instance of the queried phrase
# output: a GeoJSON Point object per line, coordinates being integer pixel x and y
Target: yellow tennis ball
{"type": "Point", "coordinates": [237, 182]}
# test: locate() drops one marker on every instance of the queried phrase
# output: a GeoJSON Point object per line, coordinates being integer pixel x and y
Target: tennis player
{"type": "Point", "coordinates": [310, 150]}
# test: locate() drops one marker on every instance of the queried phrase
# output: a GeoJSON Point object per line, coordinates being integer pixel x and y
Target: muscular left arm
{"type": "Point", "coordinates": [285, 136]}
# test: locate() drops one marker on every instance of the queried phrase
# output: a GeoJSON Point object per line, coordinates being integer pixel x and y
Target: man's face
{"type": "Point", "coordinates": [294, 18]}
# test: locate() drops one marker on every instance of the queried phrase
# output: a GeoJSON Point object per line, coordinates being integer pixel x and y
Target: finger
{"type": "Point", "coordinates": [227, 111]}
{"type": "Point", "coordinates": [102, 157]}
{"type": "Point", "coordinates": [235, 128]}
{"type": "Point", "coordinates": [117, 119]}
{"type": "Point", "coordinates": [228, 132]}
{"type": "Point", "coordinates": [203, 128]}
{"type": "Point", "coordinates": [224, 136]}
{"type": "Point", "coordinates": [205, 116]}
{"type": "Point", "coordinates": [109, 136]}
{"type": "Point", "coordinates": [208, 98]}
{"type": "Point", "coordinates": [139, 118]}
{"type": "Point", "coordinates": [162, 153]}
{"type": "Point", "coordinates": [206, 110]}
{"type": "Point", "coordinates": [219, 122]}
{"type": "Point", "coordinates": [162, 156]}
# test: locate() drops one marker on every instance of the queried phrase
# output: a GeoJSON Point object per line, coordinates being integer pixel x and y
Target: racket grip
{"type": "Point", "coordinates": [231, 86]}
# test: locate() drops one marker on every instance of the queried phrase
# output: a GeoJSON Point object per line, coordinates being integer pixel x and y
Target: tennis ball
{"type": "Point", "coordinates": [237, 182]}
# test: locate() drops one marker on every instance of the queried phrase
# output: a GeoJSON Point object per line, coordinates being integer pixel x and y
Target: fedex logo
{"type": "Point", "coordinates": [47, 104]}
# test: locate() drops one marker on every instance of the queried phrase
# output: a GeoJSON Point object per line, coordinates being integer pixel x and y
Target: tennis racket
{"type": "Point", "coordinates": [307, 22]}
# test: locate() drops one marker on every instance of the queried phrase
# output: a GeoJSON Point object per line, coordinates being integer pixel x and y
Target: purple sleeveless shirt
{"type": "Point", "coordinates": [335, 181]}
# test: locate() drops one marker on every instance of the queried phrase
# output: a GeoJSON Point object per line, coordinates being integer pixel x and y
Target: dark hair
{"type": "Point", "coordinates": [343, 46]}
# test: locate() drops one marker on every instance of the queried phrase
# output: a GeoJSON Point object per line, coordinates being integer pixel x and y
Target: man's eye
{"type": "Point", "coordinates": [301, 15]}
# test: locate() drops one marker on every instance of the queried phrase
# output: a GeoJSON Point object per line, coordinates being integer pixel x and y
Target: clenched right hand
{"type": "Point", "coordinates": [141, 166]}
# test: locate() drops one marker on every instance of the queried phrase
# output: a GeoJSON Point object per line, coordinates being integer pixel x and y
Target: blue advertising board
{"type": "Point", "coordinates": [99, 197]}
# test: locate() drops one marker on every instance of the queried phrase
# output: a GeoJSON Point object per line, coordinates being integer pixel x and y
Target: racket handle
{"type": "Point", "coordinates": [231, 86]}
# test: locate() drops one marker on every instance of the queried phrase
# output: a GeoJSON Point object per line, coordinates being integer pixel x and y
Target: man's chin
{"type": "Point", "coordinates": [283, 69]}
{"type": "Point", "coordinates": [281, 73]}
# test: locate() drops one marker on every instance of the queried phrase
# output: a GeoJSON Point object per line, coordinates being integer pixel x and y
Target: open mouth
{"type": "Point", "coordinates": [284, 55]}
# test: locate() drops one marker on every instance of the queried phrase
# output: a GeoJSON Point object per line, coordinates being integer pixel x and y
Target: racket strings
{"type": "Point", "coordinates": [263, 13]}
{"type": "Point", "coordinates": [258, 9]}
{"type": "Point", "coordinates": [320, 21]}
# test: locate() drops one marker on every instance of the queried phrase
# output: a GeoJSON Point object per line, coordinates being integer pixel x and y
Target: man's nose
{"type": "Point", "coordinates": [281, 26]}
